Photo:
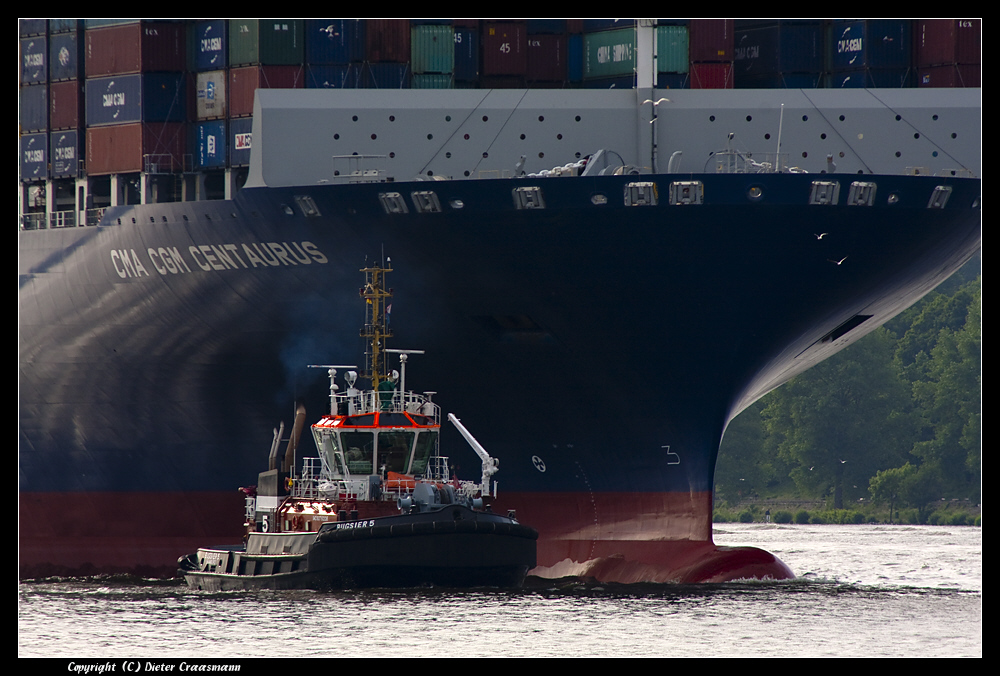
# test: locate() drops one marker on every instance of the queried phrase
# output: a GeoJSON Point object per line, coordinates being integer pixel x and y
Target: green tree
{"type": "Point", "coordinates": [908, 486]}
{"type": "Point", "coordinates": [922, 325]}
{"type": "Point", "coordinates": [843, 420]}
{"type": "Point", "coordinates": [888, 486]}
{"type": "Point", "coordinates": [746, 466]}
{"type": "Point", "coordinates": [949, 396]}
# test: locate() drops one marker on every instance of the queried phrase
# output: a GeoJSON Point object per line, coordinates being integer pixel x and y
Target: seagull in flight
{"type": "Point", "coordinates": [837, 262]}
{"type": "Point", "coordinates": [657, 102]}
{"type": "Point", "coordinates": [820, 235]}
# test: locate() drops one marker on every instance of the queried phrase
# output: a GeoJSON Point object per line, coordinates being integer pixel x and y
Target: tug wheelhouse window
{"type": "Point", "coordinates": [326, 443]}
{"type": "Point", "coordinates": [426, 445]}
{"type": "Point", "coordinates": [394, 449]}
{"type": "Point", "coordinates": [359, 450]}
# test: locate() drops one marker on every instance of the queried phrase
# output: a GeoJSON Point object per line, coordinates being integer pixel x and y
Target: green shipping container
{"type": "Point", "coordinates": [432, 81]}
{"type": "Point", "coordinates": [609, 53]}
{"type": "Point", "coordinates": [269, 42]}
{"type": "Point", "coordinates": [671, 49]}
{"type": "Point", "coordinates": [432, 49]}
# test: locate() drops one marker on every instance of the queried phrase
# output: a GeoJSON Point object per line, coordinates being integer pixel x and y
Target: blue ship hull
{"type": "Point", "coordinates": [598, 350]}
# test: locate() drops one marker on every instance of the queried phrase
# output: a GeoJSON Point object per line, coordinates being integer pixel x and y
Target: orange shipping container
{"type": "Point", "coordinates": [243, 82]}
{"type": "Point", "coordinates": [144, 47]}
{"type": "Point", "coordinates": [129, 148]}
{"type": "Point", "coordinates": [65, 105]}
{"type": "Point", "coordinates": [387, 40]}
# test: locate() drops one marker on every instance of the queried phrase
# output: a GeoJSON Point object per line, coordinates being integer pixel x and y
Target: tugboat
{"type": "Point", "coordinates": [379, 506]}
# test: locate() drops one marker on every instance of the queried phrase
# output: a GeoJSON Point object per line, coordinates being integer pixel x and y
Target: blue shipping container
{"type": "Point", "coordinates": [345, 76]}
{"type": "Point", "coordinates": [881, 78]}
{"type": "Point", "coordinates": [466, 55]}
{"type": "Point", "coordinates": [65, 57]}
{"type": "Point", "coordinates": [211, 48]}
{"type": "Point", "coordinates": [65, 152]}
{"type": "Point", "coordinates": [546, 26]}
{"type": "Point", "coordinates": [779, 81]}
{"type": "Point", "coordinates": [595, 25]}
{"type": "Point", "coordinates": [881, 43]}
{"type": "Point", "coordinates": [33, 107]}
{"type": "Point", "coordinates": [64, 25]}
{"type": "Point", "coordinates": [782, 48]}
{"type": "Point", "coordinates": [31, 26]}
{"type": "Point", "coordinates": [149, 97]}
{"type": "Point", "coordinates": [673, 80]}
{"type": "Point", "coordinates": [34, 157]}
{"type": "Point", "coordinates": [34, 55]}
{"type": "Point", "coordinates": [335, 41]}
{"type": "Point", "coordinates": [574, 58]}
{"type": "Point", "coordinates": [210, 144]}
{"type": "Point", "coordinates": [387, 75]}
{"type": "Point", "coordinates": [240, 134]}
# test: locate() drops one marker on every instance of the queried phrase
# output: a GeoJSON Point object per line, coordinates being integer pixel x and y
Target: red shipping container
{"type": "Point", "coordinates": [243, 82]}
{"type": "Point", "coordinates": [145, 47]}
{"type": "Point", "coordinates": [711, 76]}
{"type": "Point", "coordinates": [948, 41]}
{"type": "Point", "coordinates": [504, 48]}
{"type": "Point", "coordinates": [65, 104]}
{"type": "Point", "coordinates": [125, 148]}
{"type": "Point", "coordinates": [710, 40]}
{"type": "Point", "coordinates": [546, 58]}
{"type": "Point", "coordinates": [387, 40]}
{"type": "Point", "coordinates": [502, 82]}
{"type": "Point", "coordinates": [955, 75]}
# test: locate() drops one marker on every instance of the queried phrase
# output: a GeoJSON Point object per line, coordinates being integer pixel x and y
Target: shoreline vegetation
{"type": "Point", "coordinates": [891, 425]}
{"type": "Point", "coordinates": [957, 513]}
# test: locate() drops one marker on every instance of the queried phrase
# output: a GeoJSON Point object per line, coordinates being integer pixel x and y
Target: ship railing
{"type": "Point", "coordinates": [319, 482]}
{"type": "Point", "coordinates": [164, 163]}
{"type": "Point", "coordinates": [736, 162]}
{"type": "Point", "coordinates": [62, 219]}
{"type": "Point", "coordinates": [358, 168]}
{"type": "Point", "coordinates": [58, 219]}
{"type": "Point", "coordinates": [372, 401]}
{"type": "Point", "coordinates": [439, 471]}
{"type": "Point", "coordinates": [251, 509]}
{"type": "Point", "coordinates": [437, 468]}
{"type": "Point", "coordinates": [94, 216]}
{"type": "Point", "coordinates": [307, 484]}
{"type": "Point", "coordinates": [33, 221]}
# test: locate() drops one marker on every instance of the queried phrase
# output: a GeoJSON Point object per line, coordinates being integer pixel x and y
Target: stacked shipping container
{"type": "Point", "coordinates": [778, 54]}
{"type": "Point", "coordinates": [949, 52]}
{"type": "Point", "coordinates": [183, 91]}
{"type": "Point", "coordinates": [33, 101]}
{"type": "Point", "coordinates": [432, 49]}
{"type": "Point", "coordinates": [711, 50]}
{"type": "Point", "coordinates": [136, 97]}
{"type": "Point", "coordinates": [869, 54]}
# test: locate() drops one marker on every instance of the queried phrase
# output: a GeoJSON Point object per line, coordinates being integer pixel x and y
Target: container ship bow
{"type": "Point", "coordinates": [598, 324]}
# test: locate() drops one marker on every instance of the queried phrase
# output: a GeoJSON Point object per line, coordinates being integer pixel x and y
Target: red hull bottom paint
{"type": "Point", "coordinates": [609, 537]}
{"type": "Point", "coordinates": [676, 561]}
{"type": "Point", "coordinates": [635, 537]}
{"type": "Point", "coordinates": [78, 534]}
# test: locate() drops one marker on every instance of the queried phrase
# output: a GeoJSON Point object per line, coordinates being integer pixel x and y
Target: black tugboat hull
{"type": "Point", "coordinates": [395, 552]}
